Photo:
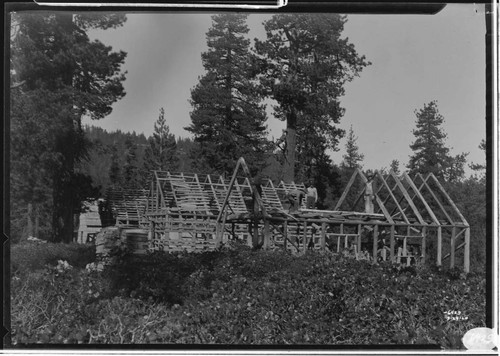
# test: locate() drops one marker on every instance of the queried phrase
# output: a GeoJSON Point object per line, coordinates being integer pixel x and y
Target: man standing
{"type": "Point", "coordinates": [369, 195]}
{"type": "Point", "coordinates": [295, 199]}
{"type": "Point", "coordinates": [311, 196]}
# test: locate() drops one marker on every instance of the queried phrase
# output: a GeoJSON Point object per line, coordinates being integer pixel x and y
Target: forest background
{"type": "Point", "coordinates": [60, 77]}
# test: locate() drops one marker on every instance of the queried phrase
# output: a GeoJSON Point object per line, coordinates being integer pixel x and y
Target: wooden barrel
{"type": "Point", "coordinates": [137, 241]}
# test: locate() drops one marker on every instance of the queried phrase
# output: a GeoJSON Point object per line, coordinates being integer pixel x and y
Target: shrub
{"type": "Point", "coordinates": [29, 256]}
{"type": "Point", "coordinates": [248, 297]}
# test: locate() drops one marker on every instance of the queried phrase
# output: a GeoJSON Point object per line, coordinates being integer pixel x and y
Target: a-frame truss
{"type": "Point", "coordinates": [195, 212]}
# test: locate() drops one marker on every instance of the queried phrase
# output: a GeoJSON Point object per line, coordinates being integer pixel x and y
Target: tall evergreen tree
{"type": "Point", "coordinates": [395, 166]}
{"type": "Point", "coordinates": [456, 168]}
{"type": "Point", "coordinates": [161, 154]}
{"type": "Point", "coordinates": [305, 64]}
{"type": "Point", "coordinates": [430, 152]}
{"type": "Point", "coordinates": [184, 148]}
{"type": "Point", "coordinates": [228, 120]}
{"type": "Point", "coordinates": [131, 170]}
{"type": "Point", "coordinates": [115, 172]}
{"type": "Point", "coordinates": [52, 58]}
{"type": "Point", "coordinates": [352, 157]}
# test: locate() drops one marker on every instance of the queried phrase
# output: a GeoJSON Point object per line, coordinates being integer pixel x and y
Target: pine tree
{"type": "Point", "coordinates": [228, 121]}
{"type": "Point", "coordinates": [59, 75]}
{"type": "Point", "coordinates": [430, 153]}
{"type": "Point", "coordinates": [395, 166]}
{"type": "Point", "coordinates": [352, 158]}
{"type": "Point", "coordinates": [305, 65]}
{"type": "Point", "coordinates": [115, 172]}
{"type": "Point", "coordinates": [161, 154]}
{"type": "Point", "coordinates": [130, 170]}
{"type": "Point", "coordinates": [480, 167]}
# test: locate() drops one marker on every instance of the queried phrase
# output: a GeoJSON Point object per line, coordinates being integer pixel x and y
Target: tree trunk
{"type": "Point", "coordinates": [65, 144]}
{"type": "Point", "coordinates": [291, 143]}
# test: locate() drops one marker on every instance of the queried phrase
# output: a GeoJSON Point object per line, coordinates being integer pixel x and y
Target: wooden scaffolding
{"type": "Point", "coordinates": [194, 212]}
{"type": "Point", "coordinates": [128, 206]}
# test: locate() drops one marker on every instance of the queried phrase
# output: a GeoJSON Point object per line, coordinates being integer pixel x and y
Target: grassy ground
{"type": "Point", "coordinates": [238, 296]}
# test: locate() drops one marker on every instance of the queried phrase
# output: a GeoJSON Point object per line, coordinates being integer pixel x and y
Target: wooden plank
{"type": "Point", "coordinates": [439, 245]}
{"type": "Point", "coordinates": [451, 202]}
{"type": "Point", "coordinates": [392, 243]}
{"type": "Point", "coordinates": [384, 210]}
{"type": "Point", "coordinates": [375, 244]}
{"type": "Point", "coordinates": [467, 250]}
{"type": "Point", "coordinates": [436, 199]}
{"type": "Point", "coordinates": [408, 200]}
{"type": "Point", "coordinates": [323, 237]}
{"type": "Point", "coordinates": [424, 244]}
{"type": "Point", "coordinates": [452, 246]}
{"type": "Point", "coordinates": [346, 190]}
{"type": "Point", "coordinates": [360, 227]}
{"type": "Point", "coordinates": [384, 183]}
{"type": "Point", "coordinates": [420, 196]}
{"type": "Point", "coordinates": [304, 239]}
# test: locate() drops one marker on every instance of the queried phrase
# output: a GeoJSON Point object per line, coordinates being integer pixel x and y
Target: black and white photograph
{"type": "Point", "coordinates": [263, 178]}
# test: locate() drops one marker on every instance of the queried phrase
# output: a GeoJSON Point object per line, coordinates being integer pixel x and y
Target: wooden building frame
{"type": "Point", "coordinates": [195, 212]}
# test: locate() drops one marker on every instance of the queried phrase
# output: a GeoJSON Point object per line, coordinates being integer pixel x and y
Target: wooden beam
{"type": "Point", "coordinates": [436, 199]}
{"type": "Point", "coordinates": [375, 244]}
{"type": "Point", "coordinates": [394, 199]}
{"type": "Point", "coordinates": [304, 246]}
{"type": "Point", "coordinates": [417, 193]}
{"type": "Point", "coordinates": [346, 190]}
{"type": "Point", "coordinates": [424, 245]}
{"type": "Point", "coordinates": [392, 243]}
{"type": "Point", "coordinates": [462, 245]}
{"type": "Point", "coordinates": [409, 201]}
{"type": "Point", "coordinates": [267, 235]}
{"type": "Point", "coordinates": [342, 233]}
{"type": "Point", "coordinates": [467, 251]}
{"type": "Point", "coordinates": [285, 234]}
{"type": "Point", "coordinates": [449, 199]}
{"type": "Point", "coordinates": [452, 247]}
{"type": "Point", "coordinates": [323, 237]}
{"type": "Point", "coordinates": [384, 210]}
{"type": "Point", "coordinates": [360, 227]}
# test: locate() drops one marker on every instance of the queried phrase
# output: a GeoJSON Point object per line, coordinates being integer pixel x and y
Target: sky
{"type": "Point", "coordinates": [415, 59]}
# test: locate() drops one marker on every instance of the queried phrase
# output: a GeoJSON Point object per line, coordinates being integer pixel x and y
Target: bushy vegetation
{"type": "Point", "coordinates": [29, 256]}
{"type": "Point", "coordinates": [242, 296]}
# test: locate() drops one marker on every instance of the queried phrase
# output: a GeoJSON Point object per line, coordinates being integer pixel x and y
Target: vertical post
{"type": "Point", "coordinates": [249, 236]}
{"type": "Point", "coordinates": [375, 243]}
{"type": "Point", "coordinates": [304, 239]}
{"type": "Point", "coordinates": [392, 242]}
{"type": "Point", "coordinates": [267, 236]}
{"type": "Point", "coordinates": [439, 245]}
{"type": "Point", "coordinates": [255, 235]}
{"type": "Point", "coordinates": [285, 234]}
{"type": "Point", "coordinates": [323, 237]}
{"type": "Point", "coordinates": [218, 238]}
{"type": "Point", "coordinates": [341, 232]}
{"type": "Point", "coordinates": [467, 250]}
{"type": "Point", "coordinates": [359, 238]}
{"type": "Point", "coordinates": [405, 247]}
{"type": "Point", "coordinates": [452, 243]}
{"type": "Point", "coordinates": [424, 243]}
{"type": "Point", "coordinates": [151, 230]}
